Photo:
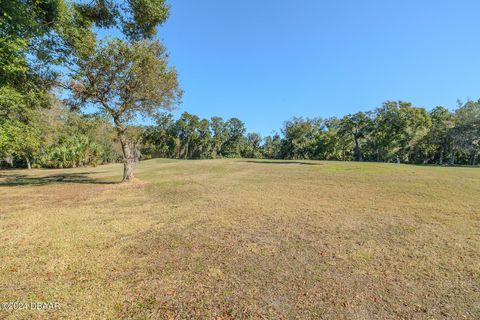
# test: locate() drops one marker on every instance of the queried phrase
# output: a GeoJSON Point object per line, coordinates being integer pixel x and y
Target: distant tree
{"type": "Point", "coordinates": [185, 129]}
{"type": "Point", "coordinates": [219, 136]}
{"type": "Point", "coordinates": [235, 131]}
{"type": "Point", "coordinates": [415, 123]}
{"type": "Point", "coordinates": [300, 138]}
{"type": "Point", "coordinates": [161, 140]}
{"type": "Point", "coordinates": [437, 140]}
{"type": "Point", "coordinates": [333, 144]}
{"type": "Point", "coordinates": [272, 147]}
{"type": "Point", "coordinates": [194, 136]}
{"type": "Point", "coordinates": [385, 131]}
{"type": "Point", "coordinates": [356, 126]}
{"type": "Point", "coordinates": [465, 134]}
{"type": "Point", "coordinates": [203, 143]}
{"type": "Point", "coordinates": [252, 147]}
{"type": "Point", "coordinates": [396, 128]}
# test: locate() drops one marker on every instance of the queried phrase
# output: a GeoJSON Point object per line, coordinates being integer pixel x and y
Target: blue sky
{"type": "Point", "coordinates": [265, 61]}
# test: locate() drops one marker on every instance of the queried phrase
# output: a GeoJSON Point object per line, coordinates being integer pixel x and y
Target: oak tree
{"type": "Point", "coordinates": [127, 80]}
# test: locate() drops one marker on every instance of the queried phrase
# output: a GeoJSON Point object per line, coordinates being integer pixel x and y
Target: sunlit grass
{"type": "Point", "coordinates": [241, 239]}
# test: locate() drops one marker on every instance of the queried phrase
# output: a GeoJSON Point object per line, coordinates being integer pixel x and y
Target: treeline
{"type": "Point", "coordinates": [394, 132]}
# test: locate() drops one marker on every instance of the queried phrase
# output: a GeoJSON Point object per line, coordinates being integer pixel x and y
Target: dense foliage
{"type": "Point", "coordinates": [46, 45]}
{"type": "Point", "coordinates": [59, 138]}
{"type": "Point", "coordinates": [394, 132]}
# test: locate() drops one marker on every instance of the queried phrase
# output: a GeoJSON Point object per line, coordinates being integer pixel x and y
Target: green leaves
{"type": "Point", "coordinates": [72, 151]}
{"type": "Point", "coordinates": [128, 80]}
{"type": "Point", "coordinates": [301, 136]}
{"type": "Point", "coordinates": [18, 138]}
{"type": "Point", "coordinates": [143, 17]}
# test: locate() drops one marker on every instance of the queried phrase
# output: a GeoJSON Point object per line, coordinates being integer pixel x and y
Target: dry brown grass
{"type": "Point", "coordinates": [233, 239]}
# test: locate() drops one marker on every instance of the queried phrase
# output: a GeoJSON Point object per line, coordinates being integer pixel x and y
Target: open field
{"type": "Point", "coordinates": [233, 239]}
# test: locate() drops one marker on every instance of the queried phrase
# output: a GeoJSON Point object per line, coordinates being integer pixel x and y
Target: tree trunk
{"type": "Point", "coordinates": [128, 159]}
{"type": "Point", "coordinates": [358, 152]}
{"type": "Point", "coordinates": [29, 165]}
{"type": "Point", "coordinates": [187, 149]}
{"type": "Point", "coordinates": [440, 162]}
{"type": "Point", "coordinates": [426, 158]}
{"type": "Point", "coordinates": [136, 154]}
{"type": "Point", "coordinates": [9, 160]}
{"type": "Point", "coordinates": [452, 156]}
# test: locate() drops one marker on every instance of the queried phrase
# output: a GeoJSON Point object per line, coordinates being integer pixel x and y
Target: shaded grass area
{"type": "Point", "coordinates": [273, 162]}
{"type": "Point", "coordinates": [22, 179]}
{"type": "Point", "coordinates": [228, 239]}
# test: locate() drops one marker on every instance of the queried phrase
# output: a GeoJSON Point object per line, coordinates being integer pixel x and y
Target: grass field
{"type": "Point", "coordinates": [236, 239]}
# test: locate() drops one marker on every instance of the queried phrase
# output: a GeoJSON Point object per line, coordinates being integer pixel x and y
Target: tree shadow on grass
{"type": "Point", "coordinates": [21, 179]}
{"type": "Point", "coordinates": [282, 162]}
{"type": "Point", "coordinates": [431, 165]}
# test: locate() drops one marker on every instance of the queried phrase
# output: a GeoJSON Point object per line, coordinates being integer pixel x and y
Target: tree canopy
{"type": "Point", "coordinates": [48, 44]}
{"type": "Point", "coordinates": [394, 132]}
{"type": "Point", "coordinates": [126, 81]}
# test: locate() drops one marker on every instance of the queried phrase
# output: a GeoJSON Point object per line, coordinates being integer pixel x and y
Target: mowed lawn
{"type": "Point", "coordinates": [240, 239]}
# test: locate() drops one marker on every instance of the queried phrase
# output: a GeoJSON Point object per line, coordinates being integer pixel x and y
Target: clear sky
{"type": "Point", "coordinates": [265, 61]}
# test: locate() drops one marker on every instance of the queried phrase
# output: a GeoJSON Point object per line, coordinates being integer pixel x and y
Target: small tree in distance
{"type": "Point", "coordinates": [127, 80]}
